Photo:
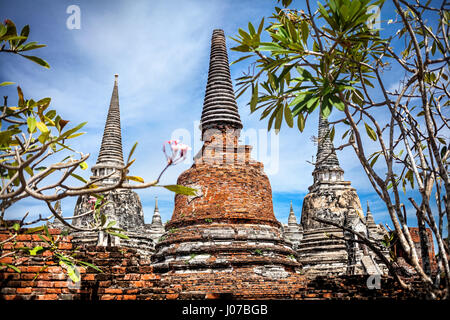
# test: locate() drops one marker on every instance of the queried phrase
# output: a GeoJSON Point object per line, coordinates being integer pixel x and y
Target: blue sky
{"type": "Point", "coordinates": [160, 49]}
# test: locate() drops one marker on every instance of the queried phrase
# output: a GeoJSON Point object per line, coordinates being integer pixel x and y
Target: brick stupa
{"type": "Point", "coordinates": [229, 228]}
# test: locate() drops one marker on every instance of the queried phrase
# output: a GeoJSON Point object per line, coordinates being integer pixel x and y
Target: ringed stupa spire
{"type": "Point", "coordinates": [219, 107]}
{"type": "Point", "coordinates": [327, 166]}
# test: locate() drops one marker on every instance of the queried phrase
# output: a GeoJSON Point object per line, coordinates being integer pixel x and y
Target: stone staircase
{"type": "Point", "coordinates": [370, 266]}
{"type": "Point", "coordinates": [321, 251]}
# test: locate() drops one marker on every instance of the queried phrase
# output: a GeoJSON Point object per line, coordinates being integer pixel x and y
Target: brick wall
{"type": "Point", "coordinates": [414, 231]}
{"type": "Point", "coordinates": [128, 276]}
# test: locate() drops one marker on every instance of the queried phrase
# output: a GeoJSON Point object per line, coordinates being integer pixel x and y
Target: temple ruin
{"type": "Point", "coordinates": [230, 223]}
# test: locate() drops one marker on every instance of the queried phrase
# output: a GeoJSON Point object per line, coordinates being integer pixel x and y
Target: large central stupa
{"type": "Point", "coordinates": [230, 224]}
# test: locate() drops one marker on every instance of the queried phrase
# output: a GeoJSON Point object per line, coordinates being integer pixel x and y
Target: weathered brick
{"type": "Point", "coordinates": [89, 277]}
{"type": "Point", "coordinates": [47, 297]}
{"type": "Point", "coordinates": [24, 290]}
{"type": "Point", "coordinates": [113, 290]}
{"type": "Point", "coordinates": [172, 296]}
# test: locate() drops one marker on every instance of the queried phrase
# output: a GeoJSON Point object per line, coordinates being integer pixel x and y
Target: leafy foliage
{"type": "Point", "coordinates": [17, 42]}
{"type": "Point", "coordinates": [331, 59]}
{"type": "Point", "coordinates": [303, 72]}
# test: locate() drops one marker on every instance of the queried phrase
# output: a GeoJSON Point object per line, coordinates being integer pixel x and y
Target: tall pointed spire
{"type": "Point", "coordinates": [219, 107]}
{"type": "Point", "coordinates": [327, 164]}
{"type": "Point", "coordinates": [292, 219]}
{"type": "Point", "coordinates": [110, 157]}
{"type": "Point", "coordinates": [111, 148]}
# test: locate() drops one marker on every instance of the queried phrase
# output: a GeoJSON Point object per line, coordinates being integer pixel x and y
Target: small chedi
{"type": "Point", "coordinates": [120, 205]}
{"type": "Point", "coordinates": [325, 249]}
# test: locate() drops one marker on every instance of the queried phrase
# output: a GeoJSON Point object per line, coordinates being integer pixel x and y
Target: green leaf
{"type": "Point", "coordinates": [35, 250]}
{"type": "Point", "coordinates": [91, 265]}
{"type": "Point", "coordinates": [368, 83]}
{"type": "Point", "coordinates": [43, 137]}
{"type": "Point", "coordinates": [370, 132]}
{"type": "Point", "coordinates": [75, 135]}
{"type": "Point", "coordinates": [78, 177]}
{"type": "Point", "coordinates": [37, 60]}
{"type": "Point", "coordinates": [3, 30]}
{"type": "Point", "coordinates": [13, 267]}
{"type": "Point", "coordinates": [12, 38]}
{"type": "Point", "coordinates": [16, 227]}
{"type": "Point", "coordinates": [443, 152]}
{"type": "Point", "coordinates": [332, 133]}
{"type": "Point", "coordinates": [337, 103]}
{"type": "Point", "coordinates": [42, 127]}
{"type": "Point", "coordinates": [35, 229]}
{"type": "Point", "coordinates": [6, 83]}
{"type": "Point", "coordinates": [254, 99]}
{"type": "Point", "coordinates": [325, 111]}
{"type": "Point", "coordinates": [261, 25]}
{"type": "Point", "coordinates": [71, 131]}
{"type": "Point", "coordinates": [118, 234]}
{"type": "Point", "coordinates": [24, 33]}
{"type": "Point", "coordinates": [269, 47]}
{"type": "Point", "coordinates": [83, 165]}
{"type": "Point", "coordinates": [111, 224]}
{"type": "Point", "coordinates": [374, 160]}
{"type": "Point", "coordinates": [251, 29]}
{"type": "Point", "coordinates": [132, 151]}
{"type": "Point", "coordinates": [301, 122]}
{"type": "Point", "coordinates": [29, 170]}
{"type": "Point", "coordinates": [31, 46]}
{"type": "Point", "coordinates": [51, 114]}
{"type": "Point", "coordinates": [279, 119]}
{"type": "Point", "coordinates": [71, 271]}
{"type": "Point", "coordinates": [179, 189]}
{"type": "Point", "coordinates": [292, 31]}
{"type": "Point", "coordinates": [288, 116]}
{"type": "Point", "coordinates": [135, 178]}
{"type": "Point", "coordinates": [305, 31]}
{"type": "Point", "coordinates": [244, 35]}
{"type": "Point", "coordinates": [31, 122]}
{"type": "Point", "coordinates": [47, 233]}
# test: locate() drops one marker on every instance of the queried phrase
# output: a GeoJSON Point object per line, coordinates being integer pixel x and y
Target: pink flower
{"type": "Point", "coordinates": [178, 151]}
{"type": "Point", "coordinates": [92, 201]}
